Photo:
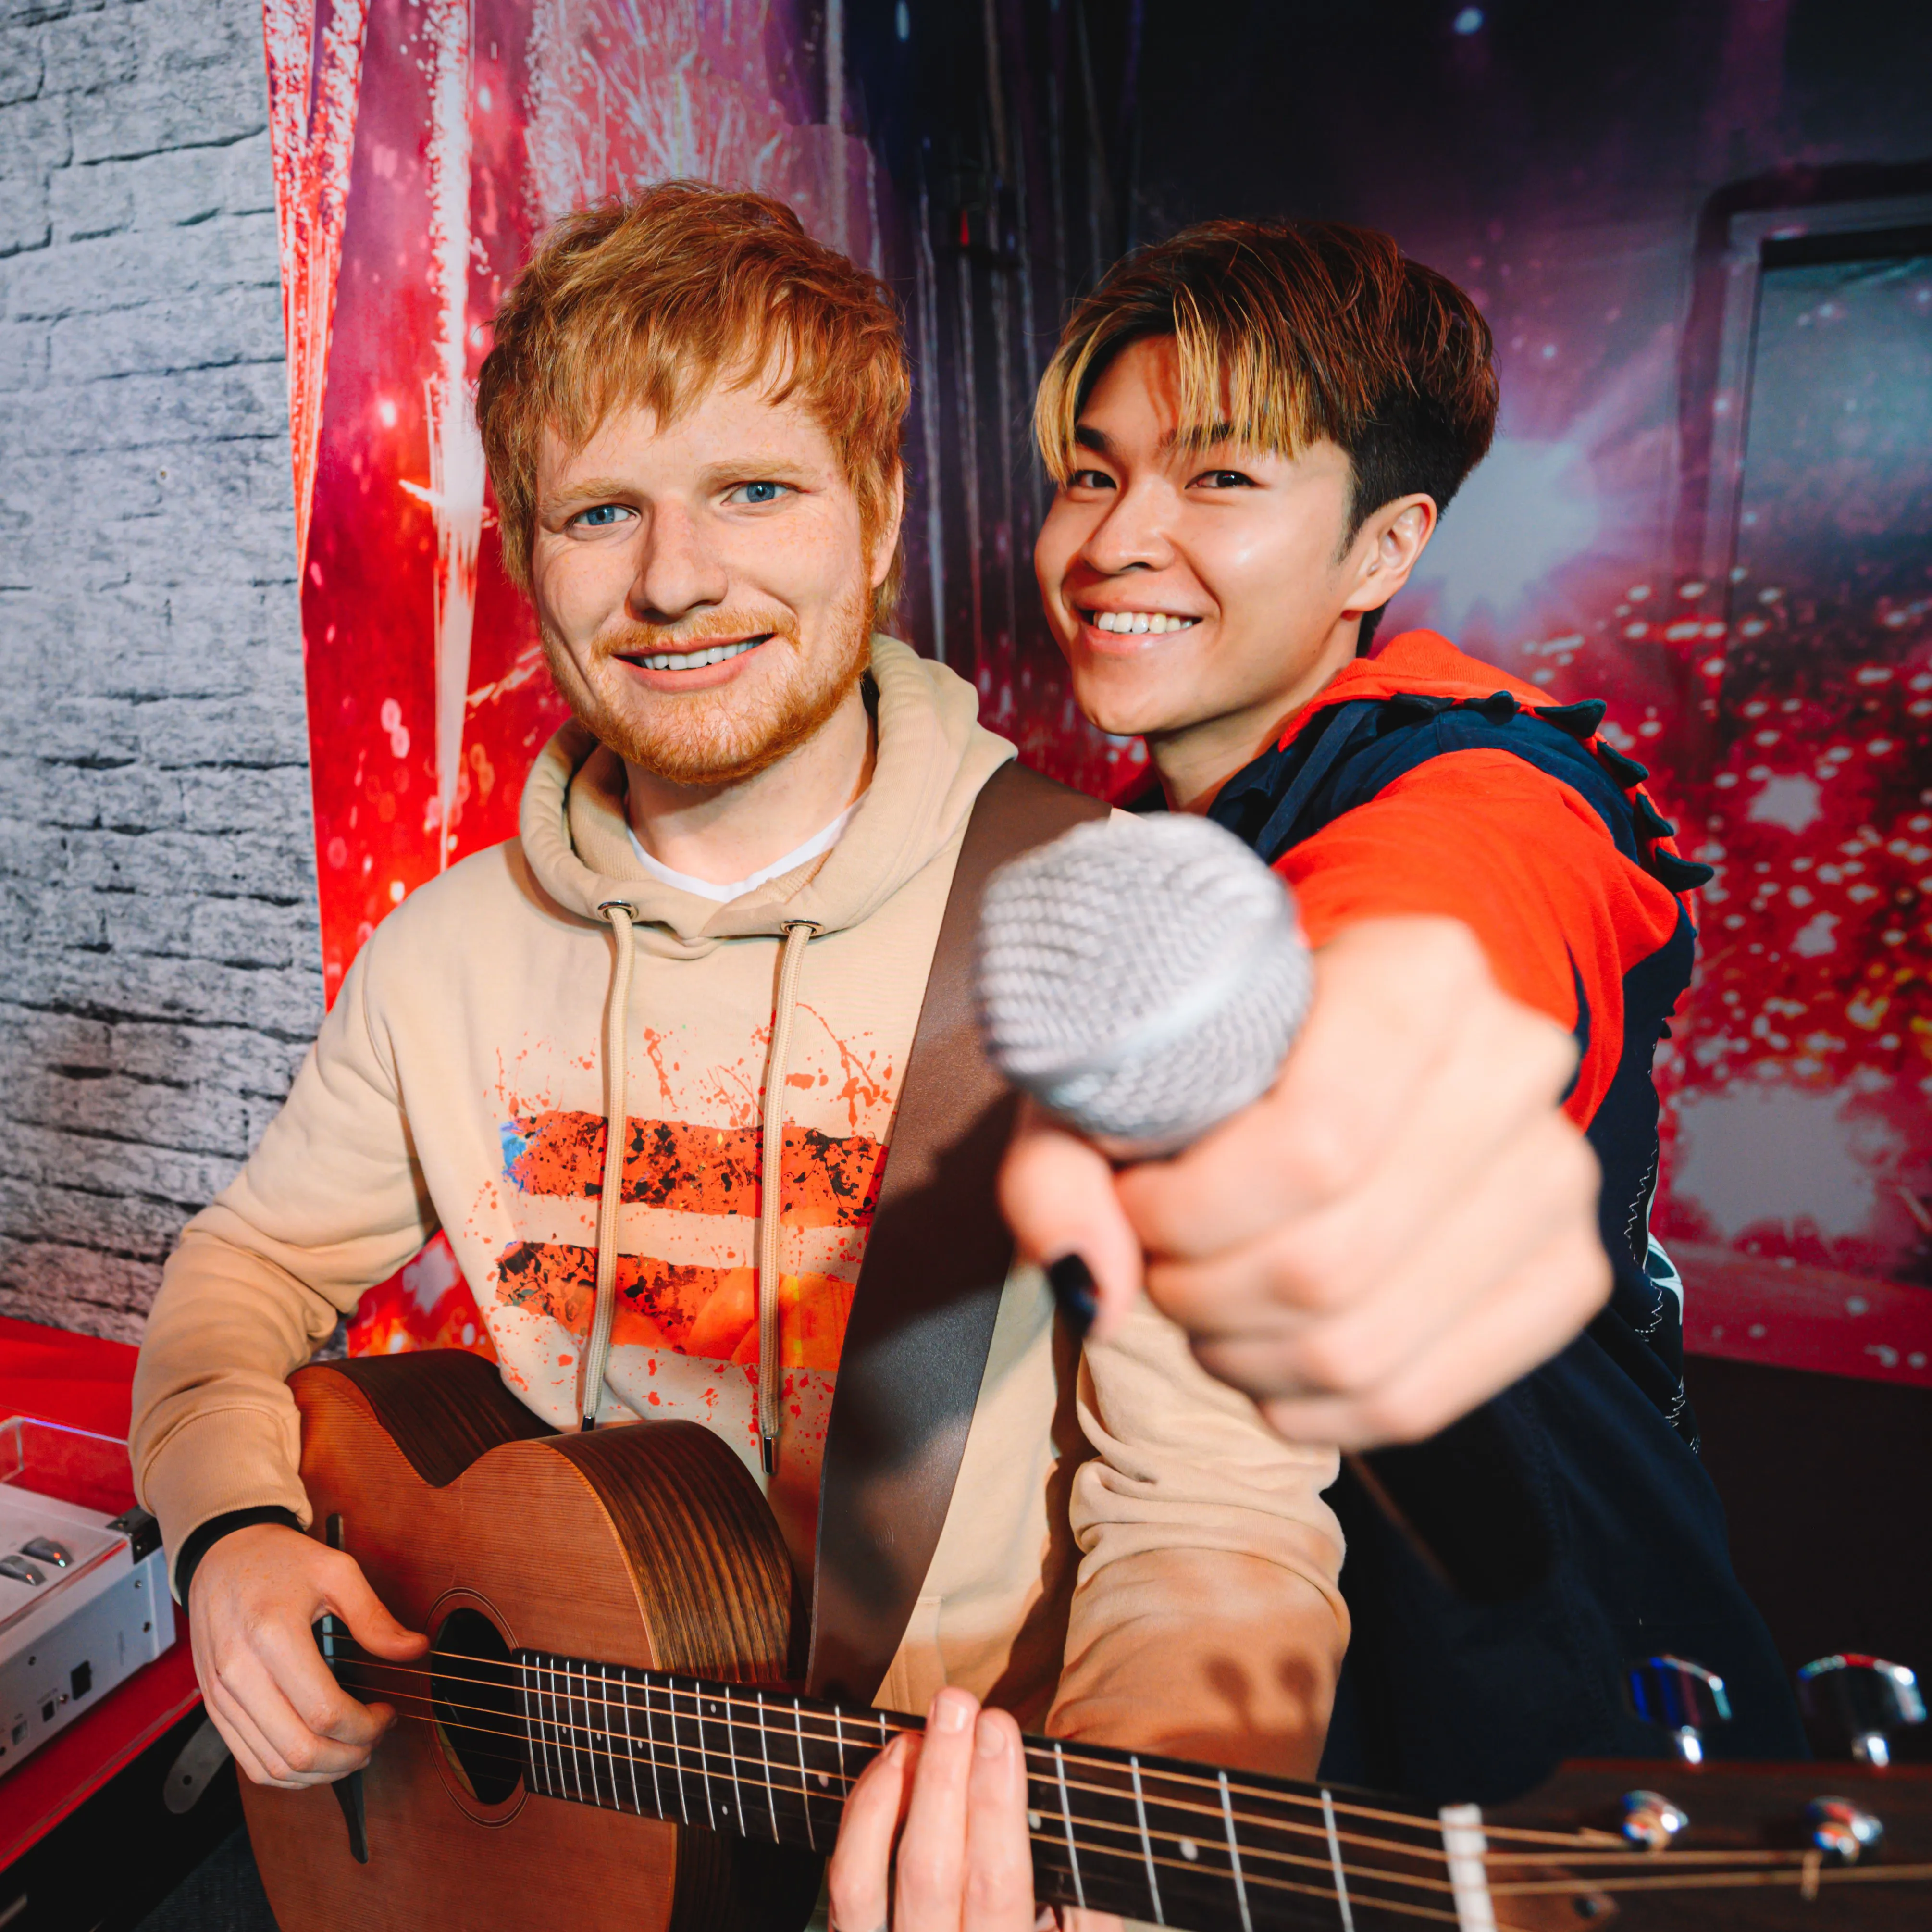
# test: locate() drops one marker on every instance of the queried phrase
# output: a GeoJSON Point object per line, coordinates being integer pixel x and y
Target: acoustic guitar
{"type": "Point", "coordinates": [602, 1736]}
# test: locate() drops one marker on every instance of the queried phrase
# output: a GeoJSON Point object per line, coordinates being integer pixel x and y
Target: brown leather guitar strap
{"type": "Point", "coordinates": [928, 1291]}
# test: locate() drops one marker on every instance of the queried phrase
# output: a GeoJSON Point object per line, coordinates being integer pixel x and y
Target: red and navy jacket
{"type": "Point", "coordinates": [1423, 781]}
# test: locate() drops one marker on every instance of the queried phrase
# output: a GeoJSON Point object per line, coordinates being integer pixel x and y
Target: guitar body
{"type": "Point", "coordinates": [646, 1545]}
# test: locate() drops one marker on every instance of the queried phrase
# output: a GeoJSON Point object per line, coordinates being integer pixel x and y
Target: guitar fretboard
{"type": "Point", "coordinates": [1152, 1838]}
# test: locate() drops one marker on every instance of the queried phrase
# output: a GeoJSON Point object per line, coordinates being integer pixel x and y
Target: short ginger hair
{"type": "Point", "coordinates": [649, 299]}
{"type": "Point", "coordinates": [1287, 334]}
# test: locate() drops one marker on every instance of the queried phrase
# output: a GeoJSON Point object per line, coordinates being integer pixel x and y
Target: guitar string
{"type": "Point", "coordinates": [736, 1700]}
{"type": "Point", "coordinates": [1588, 1848]}
{"type": "Point", "coordinates": [1052, 1840]}
{"type": "Point", "coordinates": [1718, 1881]}
{"type": "Point", "coordinates": [1792, 1873]}
{"type": "Point", "coordinates": [1770, 1866]}
{"type": "Point", "coordinates": [563, 1745]}
{"type": "Point", "coordinates": [1421, 1850]}
{"type": "Point", "coordinates": [1595, 1848]}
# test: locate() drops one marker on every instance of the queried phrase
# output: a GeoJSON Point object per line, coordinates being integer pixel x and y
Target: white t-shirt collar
{"type": "Point", "coordinates": [820, 841]}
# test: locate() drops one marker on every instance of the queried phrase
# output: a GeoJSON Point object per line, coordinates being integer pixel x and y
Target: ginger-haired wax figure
{"type": "Point", "coordinates": [741, 847]}
{"type": "Point", "coordinates": [1255, 430]}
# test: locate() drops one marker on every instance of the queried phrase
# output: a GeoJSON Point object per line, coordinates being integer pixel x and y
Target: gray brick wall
{"type": "Point", "coordinates": [159, 968]}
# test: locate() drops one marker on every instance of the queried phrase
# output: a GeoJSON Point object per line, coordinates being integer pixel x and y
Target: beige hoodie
{"type": "Point", "coordinates": [1127, 1546]}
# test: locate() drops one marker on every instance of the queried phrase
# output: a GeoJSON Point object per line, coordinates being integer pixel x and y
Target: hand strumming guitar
{"type": "Point", "coordinates": [935, 1837]}
{"type": "Point", "coordinates": [251, 1606]}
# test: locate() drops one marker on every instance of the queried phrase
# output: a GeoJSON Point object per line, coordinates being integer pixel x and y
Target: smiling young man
{"type": "Point", "coordinates": [1255, 431]}
{"type": "Point", "coordinates": [687, 1074]}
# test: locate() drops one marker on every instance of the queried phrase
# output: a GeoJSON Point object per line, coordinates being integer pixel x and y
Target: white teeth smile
{"type": "Point", "coordinates": [689, 660]}
{"type": "Point", "coordinates": [1155, 623]}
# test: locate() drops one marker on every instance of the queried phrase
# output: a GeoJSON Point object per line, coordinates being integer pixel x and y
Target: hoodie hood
{"type": "Point", "coordinates": [1415, 663]}
{"type": "Point", "coordinates": [933, 756]}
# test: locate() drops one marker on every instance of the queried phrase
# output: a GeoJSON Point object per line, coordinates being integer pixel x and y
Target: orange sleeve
{"type": "Point", "coordinates": [1525, 863]}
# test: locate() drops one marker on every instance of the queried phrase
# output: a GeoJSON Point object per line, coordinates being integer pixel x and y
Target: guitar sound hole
{"type": "Point", "coordinates": [473, 1691]}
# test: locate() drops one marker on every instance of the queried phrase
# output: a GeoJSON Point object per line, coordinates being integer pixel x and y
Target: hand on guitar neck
{"type": "Point", "coordinates": [934, 1837]}
{"type": "Point", "coordinates": [252, 1607]}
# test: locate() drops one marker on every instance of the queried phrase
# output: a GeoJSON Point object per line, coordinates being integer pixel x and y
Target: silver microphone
{"type": "Point", "coordinates": [1142, 979]}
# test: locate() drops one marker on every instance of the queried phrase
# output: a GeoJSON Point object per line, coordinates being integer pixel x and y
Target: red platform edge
{"type": "Point", "coordinates": [83, 1382]}
{"type": "Point", "coordinates": [1746, 1309]}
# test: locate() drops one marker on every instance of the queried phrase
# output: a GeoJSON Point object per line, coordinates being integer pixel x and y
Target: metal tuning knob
{"type": "Point", "coordinates": [1842, 1832]}
{"type": "Point", "coordinates": [1860, 1698]}
{"type": "Point", "coordinates": [1681, 1698]}
{"type": "Point", "coordinates": [1650, 1821]}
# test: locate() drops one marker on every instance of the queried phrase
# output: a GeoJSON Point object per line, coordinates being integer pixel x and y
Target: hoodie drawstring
{"type": "Point", "coordinates": [771, 1189]}
{"type": "Point", "coordinates": [616, 1132]}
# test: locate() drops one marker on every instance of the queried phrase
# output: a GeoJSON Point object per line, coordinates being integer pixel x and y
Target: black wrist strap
{"type": "Point", "coordinates": [204, 1538]}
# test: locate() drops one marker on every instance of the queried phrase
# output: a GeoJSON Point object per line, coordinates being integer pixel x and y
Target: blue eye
{"type": "Point", "coordinates": [600, 516]}
{"type": "Point", "coordinates": [758, 493]}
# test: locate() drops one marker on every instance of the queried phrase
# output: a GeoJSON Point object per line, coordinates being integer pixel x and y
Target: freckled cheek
{"type": "Point", "coordinates": [809, 569]}
{"type": "Point", "coordinates": [578, 593]}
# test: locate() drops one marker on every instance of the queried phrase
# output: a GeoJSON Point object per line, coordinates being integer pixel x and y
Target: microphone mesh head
{"type": "Point", "coordinates": [1141, 980]}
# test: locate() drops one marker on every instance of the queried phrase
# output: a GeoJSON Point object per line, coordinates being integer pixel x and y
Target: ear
{"type": "Point", "coordinates": [1385, 551]}
{"type": "Point", "coordinates": [885, 540]}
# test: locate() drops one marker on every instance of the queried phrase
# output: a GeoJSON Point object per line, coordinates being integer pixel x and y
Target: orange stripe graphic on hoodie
{"type": "Point", "coordinates": [687, 1308]}
{"type": "Point", "coordinates": [828, 1182]}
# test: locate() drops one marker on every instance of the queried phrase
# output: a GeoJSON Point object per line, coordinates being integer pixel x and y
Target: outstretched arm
{"type": "Point", "coordinates": [1407, 1222]}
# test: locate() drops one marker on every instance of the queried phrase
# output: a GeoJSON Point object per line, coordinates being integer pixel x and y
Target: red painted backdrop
{"type": "Point", "coordinates": [419, 148]}
{"type": "Point", "coordinates": [1780, 690]}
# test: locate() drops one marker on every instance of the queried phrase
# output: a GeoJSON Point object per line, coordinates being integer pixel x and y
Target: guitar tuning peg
{"type": "Point", "coordinates": [1841, 1831]}
{"type": "Point", "coordinates": [1683, 1698]}
{"type": "Point", "coordinates": [1861, 1699]}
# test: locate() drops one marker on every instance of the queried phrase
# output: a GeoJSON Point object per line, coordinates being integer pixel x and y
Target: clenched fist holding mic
{"type": "Point", "coordinates": [1371, 1236]}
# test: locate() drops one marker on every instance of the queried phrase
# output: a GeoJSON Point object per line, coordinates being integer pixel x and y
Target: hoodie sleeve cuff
{"type": "Point", "coordinates": [220, 1463]}
{"type": "Point", "coordinates": [188, 1558]}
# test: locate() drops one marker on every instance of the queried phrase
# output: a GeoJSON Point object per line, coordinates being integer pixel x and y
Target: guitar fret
{"type": "Point", "coordinates": [737, 1779]}
{"type": "Point", "coordinates": [607, 1731]}
{"type": "Point", "coordinates": [651, 1746]}
{"type": "Point", "coordinates": [523, 1697]}
{"type": "Point", "coordinates": [630, 1735]}
{"type": "Point", "coordinates": [676, 1752]}
{"type": "Point", "coordinates": [1147, 1843]}
{"type": "Point", "coordinates": [548, 1673]}
{"type": "Point", "coordinates": [566, 1760]}
{"type": "Point", "coordinates": [1235, 1856]}
{"type": "Point", "coordinates": [553, 1781]}
{"type": "Point", "coordinates": [804, 1787]}
{"type": "Point", "coordinates": [1335, 1862]}
{"type": "Point", "coordinates": [704, 1760]}
{"type": "Point", "coordinates": [570, 1732]}
{"type": "Point", "coordinates": [677, 1748]}
{"type": "Point", "coordinates": [1066, 1823]}
{"type": "Point", "coordinates": [771, 1784]}
{"type": "Point", "coordinates": [582, 1680]}
{"type": "Point", "coordinates": [577, 1751]}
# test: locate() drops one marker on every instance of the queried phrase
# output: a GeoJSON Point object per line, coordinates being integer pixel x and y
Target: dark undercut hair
{"type": "Point", "coordinates": [1288, 334]}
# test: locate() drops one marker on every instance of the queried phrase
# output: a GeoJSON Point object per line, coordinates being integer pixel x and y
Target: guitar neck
{"type": "Point", "coordinates": [1151, 1838]}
